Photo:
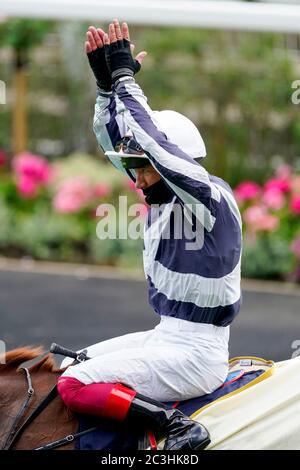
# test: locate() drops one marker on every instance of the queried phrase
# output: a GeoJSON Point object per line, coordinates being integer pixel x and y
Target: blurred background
{"type": "Point", "coordinates": [231, 67]}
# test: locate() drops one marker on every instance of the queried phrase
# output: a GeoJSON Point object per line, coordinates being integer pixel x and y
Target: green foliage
{"type": "Point", "coordinates": [269, 257]}
{"type": "Point", "coordinates": [33, 227]}
{"type": "Point", "coordinates": [49, 236]}
{"type": "Point", "coordinates": [23, 34]}
{"type": "Point", "coordinates": [271, 226]}
{"type": "Point", "coordinates": [6, 223]}
{"type": "Point", "coordinates": [94, 169]}
{"type": "Point", "coordinates": [236, 87]}
{"type": "Point", "coordinates": [124, 253]}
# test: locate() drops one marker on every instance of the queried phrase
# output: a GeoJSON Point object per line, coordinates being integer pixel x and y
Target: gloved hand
{"type": "Point", "coordinates": [118, 52]}
{"type": "Point", "coordinates": [99, 67]}
{"type": "Point", "coordinates": [96, 56]}
{"type": "Point", "coordinates": [120, 61]}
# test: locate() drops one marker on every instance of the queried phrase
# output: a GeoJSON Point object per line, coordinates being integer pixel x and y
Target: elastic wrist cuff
{"type": "Point", "coordinates": [122, 80]}
{"type": "Point", "coordinates": [104, 93]}
{"type": "Point", "coordinates": [122, 72]}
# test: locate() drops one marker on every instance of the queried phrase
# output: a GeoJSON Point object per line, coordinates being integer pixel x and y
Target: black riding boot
{"type": "Point", "coordinates": [181, 432]}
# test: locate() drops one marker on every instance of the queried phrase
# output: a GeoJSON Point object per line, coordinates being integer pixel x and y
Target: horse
{"type": "Point", "coordinates": [261, 415]}
{"type": "Point", "coordinates": [33, 416]}
{"type": "Point", "coordinates": [53, 423]}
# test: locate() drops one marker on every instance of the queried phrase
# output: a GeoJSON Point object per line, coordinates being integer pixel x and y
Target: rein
{"type": "Point", "coordinates": [13, 431]}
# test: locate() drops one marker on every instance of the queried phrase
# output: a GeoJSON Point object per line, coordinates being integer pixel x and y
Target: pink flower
{"type": "Point", "coordinates": [254, 213]}
{"type": "Point", "coordinates": [102, 189]}
{"type": "Point", "coordinates": [27, 187]}
{"type": "Point", "coordinates": [273, 199]}
{"type": "Point", "coordinates": [269, 223]}
{"type": "Point", "coordinates": [32, 171]}
{"type": "Point", "coordinates": [295, 205]}
{"type": "Point", "coordinates": [295, 184]}
{"type": "Point", "coordinates": [143, 210]}
{"type": "Point", "coordinates": [2, 157]}
{"type": "Point", "coordinates": [296, 247]}
{"type": "Point", "coordinates": [246, 191]}
{"type": "Point", "coordinates": [129, 184]}
{"type": "Point", "coordinates": [73, 195]}
{"type": "Point", "coordinates": [258, 219]}
{"type": "Point", "coordinates": [278, 184]}
{"type": "Point", "coordinates": [32, 166]}
{"type": "Point", "coordinates": [65, 203]}
{"type": "Point", "coordinates": [284, 172]}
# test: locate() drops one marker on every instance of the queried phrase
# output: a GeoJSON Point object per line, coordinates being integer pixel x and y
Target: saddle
{"type": "Point", "coordinates": [244, 372]}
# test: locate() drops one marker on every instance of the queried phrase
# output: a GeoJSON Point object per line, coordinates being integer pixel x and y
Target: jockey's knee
{"type": "Point", "coordinates": [68, 388]}
{"type": "Point", "coordinates": [110, 400]}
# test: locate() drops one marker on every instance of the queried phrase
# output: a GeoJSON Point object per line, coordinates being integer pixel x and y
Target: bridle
{"type": "Point", "coordinates": [30, 392]}
{"type": "Point", "coordinates": [15, 432]}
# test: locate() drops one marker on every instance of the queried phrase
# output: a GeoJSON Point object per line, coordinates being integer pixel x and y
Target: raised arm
{"type": "Point", "coordinates": [108, 127]}
{"type": "Point", "coordinates": [189, 180]}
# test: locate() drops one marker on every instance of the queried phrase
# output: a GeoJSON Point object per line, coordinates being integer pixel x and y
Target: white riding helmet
{"type": "Point", "coordinates": [177, 128]}
{"type": "Point", "coordinates": [182, 132]}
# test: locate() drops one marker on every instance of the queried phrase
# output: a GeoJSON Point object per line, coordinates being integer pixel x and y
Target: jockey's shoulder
{"type": "Point", "coordinates": [220, 182]}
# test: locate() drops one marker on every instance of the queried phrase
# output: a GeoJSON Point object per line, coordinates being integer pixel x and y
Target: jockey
{"type": "Point", "coordinates": [193, 279]}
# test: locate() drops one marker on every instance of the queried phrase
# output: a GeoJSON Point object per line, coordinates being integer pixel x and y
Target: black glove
{"type": "Point", "coordinates": [99, 67]}
{"type": "Point", "coordinates": [120, 61]}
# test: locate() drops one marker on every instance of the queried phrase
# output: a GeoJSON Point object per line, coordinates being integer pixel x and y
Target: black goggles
{"type": "Point", "coordinates": [131, 154]}
{"type": "Point", "coordinates": [129, 146]}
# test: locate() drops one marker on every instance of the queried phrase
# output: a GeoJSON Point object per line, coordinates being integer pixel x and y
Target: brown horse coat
{"type": "Point", "coordinates": [55, 422]}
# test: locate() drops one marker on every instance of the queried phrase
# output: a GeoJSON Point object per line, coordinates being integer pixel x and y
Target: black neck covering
{"type": "Point", "coordinates": [157, 193]}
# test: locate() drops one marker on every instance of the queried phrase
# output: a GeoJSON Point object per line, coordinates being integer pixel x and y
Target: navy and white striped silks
{"type": "Point", "coordinates": [194, 276]}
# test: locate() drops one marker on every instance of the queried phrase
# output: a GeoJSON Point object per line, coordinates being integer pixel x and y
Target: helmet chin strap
{"type": "Point", "coordinates": [158, 193]}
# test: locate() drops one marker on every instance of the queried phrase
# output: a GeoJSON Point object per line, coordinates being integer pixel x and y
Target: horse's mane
{"type": "Point", "coordinates": [13, 359]}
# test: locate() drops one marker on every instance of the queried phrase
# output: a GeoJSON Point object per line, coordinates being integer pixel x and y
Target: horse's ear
{"type": "Point", "coordinates": [13, 359]}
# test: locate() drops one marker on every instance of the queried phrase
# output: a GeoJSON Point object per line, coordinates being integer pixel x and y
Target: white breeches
{"type": "Point", "coordinates": [177, 360]}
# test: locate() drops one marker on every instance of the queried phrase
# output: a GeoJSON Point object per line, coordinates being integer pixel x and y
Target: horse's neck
{"type": "Point", "coordinates": [13, 391]}
{"type": "Point", "coordinates": [54, 422]}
